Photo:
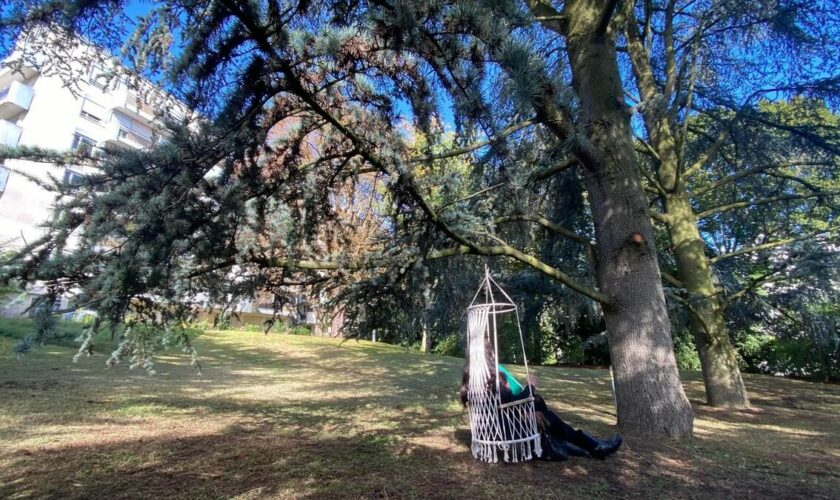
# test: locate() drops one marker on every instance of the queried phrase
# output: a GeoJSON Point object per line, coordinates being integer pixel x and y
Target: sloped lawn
{"type": "Point", "coordinates": [302, 417]}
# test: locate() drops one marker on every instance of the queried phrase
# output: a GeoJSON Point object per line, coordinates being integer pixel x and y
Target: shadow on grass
{"type": "Point", "coordinates": [310, 418]}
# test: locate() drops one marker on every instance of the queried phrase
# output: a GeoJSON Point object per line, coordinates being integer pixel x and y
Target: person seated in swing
{"type": "Point", "coordinates": [560, 440]}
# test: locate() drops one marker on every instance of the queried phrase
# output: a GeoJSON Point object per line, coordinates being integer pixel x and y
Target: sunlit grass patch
{"type": "Point", "coordinates": [304, 417]}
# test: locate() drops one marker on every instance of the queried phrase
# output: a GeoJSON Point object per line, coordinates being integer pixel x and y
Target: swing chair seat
{"type": "Point", "coordinates": [507, 428]}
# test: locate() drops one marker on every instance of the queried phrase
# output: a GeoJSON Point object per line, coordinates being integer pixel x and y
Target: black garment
{"type": "Point", "coordinates": [557, 427]}
{"type": "Point", "coordinates": [561, 440]}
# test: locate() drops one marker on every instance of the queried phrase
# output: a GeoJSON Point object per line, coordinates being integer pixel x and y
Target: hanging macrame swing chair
{"type": "Point", "coordinates": [510, 428]}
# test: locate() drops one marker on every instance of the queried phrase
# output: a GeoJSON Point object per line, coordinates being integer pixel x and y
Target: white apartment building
{"type": "Point", "coordinates": [41, 109]}
{"type": "Point", "coordinates": [86, 106]}
{"type": "Point", "coordinates": [80, 103]}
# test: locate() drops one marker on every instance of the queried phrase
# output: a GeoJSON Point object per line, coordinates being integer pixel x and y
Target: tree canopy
{"type": "Point", "coordinates": [529, 133]}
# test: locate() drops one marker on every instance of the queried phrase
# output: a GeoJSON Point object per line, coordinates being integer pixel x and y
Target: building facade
{"type": "Point", "coordinates": [87, 104]}
{"type": "Point", "coordinates": [40, 109]}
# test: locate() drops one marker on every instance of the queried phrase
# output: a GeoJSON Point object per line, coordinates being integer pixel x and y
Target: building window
{"type": "Point", "coordinates": [99, 77]}
{"type": "Point", "coordinates": [72, 178]}
{"type": "Point", "coordinates": [82, 144]}
{"type": "Point", "coordinates": [92, 111]}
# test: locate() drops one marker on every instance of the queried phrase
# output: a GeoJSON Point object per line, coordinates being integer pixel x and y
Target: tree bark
{"type": "Point", "coordinates": [721, 376]}
{"type": "Point", "coordinates": [649, 393]}
{"type": "Point", "coordinates": [424, 339]}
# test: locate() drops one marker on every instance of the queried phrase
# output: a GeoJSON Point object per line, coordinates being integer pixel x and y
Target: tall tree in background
{"type": "Point", "coordinates": [698, 71]}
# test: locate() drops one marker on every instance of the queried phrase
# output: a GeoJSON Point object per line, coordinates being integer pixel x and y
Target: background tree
{"type": "Point", "coordinates": [697, 70]}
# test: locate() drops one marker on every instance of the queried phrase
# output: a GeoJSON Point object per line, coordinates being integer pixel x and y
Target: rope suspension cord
{"type": "Point", "coordinates": [507, 427]}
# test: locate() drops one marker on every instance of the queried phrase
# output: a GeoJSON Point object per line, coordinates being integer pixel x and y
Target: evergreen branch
{"type": "Point", "coordinates": [764, 246]}
{"type": "Point", "coordinates": [763, 201]}
{"type": "Point", "coordinates": [706, 155]}
{"type": "Point", "coordinates": [659, 217]}
{"type": "Point", "coordinates": [542, 221]}
{"type": "Point", "coordinates": [488, 251]}
{"type": "Point", "coordinates": [43, 155]}
{"type": "Point", "coordinates": [548, 16]}
{"type": "Point", "coordinates": [757, 169]}
{"type": "Point", "coordinates": [480, 192]}
{"type": "Point", "coordinates": [545, 173]}
{"type": "Point", "coordinates": [467, 149]}
{"type": "Point", "coordinates": [670, 278]}
{"type": "Point", "coordinates": [538, 175]}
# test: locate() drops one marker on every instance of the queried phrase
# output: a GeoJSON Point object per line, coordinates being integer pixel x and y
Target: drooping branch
{"type": "Point", "coordinates": [538, 175]}
{"type": "Point", "coordinates": [542, 221]}
{"type": "Point", "coordinates": [488, 251]}
{"type": "Point", "coordinates": [764, 246]}
{"type": "Point", "coordinates": [707, 155]}
{"type": "Point", "coordinates": [551, 117]}
{"type": "Point", "coordinates": [754, 170]}
{"type": "Point", "coordinates": [472, 147]}
{"type": "Point", "coordinates": [763, 201]}
{"type": "Point", "coordinates": [767, 277]}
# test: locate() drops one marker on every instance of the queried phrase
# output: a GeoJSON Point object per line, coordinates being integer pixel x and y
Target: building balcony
{"type": "Point", "coordinates": [14, 99]}
{"type": "Point", "coordinates": [118, 135]}
{"type": "Point", "coordinates": [9, 133]}
{"type": "Point", "coordinates": [135, 107]}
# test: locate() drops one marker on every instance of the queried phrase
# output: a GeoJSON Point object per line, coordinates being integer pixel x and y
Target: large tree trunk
{"type": "Point", "coordinates": [721, 375]}
{"type": "Point", "coordinates": [722, 378]}
{"type": "Point", "coordinates": [649, 393]}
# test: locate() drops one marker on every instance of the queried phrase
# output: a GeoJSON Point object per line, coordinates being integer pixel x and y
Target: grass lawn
{"type": "Point", "coordinates": [303, 417]}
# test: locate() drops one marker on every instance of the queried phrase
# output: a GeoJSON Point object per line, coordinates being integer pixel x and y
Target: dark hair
{"type": "Point", "coordinates": [465, 382]}
{"type": "Point", "coordinates": [465, 374]}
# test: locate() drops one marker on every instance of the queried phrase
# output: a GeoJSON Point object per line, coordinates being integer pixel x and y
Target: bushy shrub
{"type": "Point", "coordinates": [753, 349]}
{"type": "Point", "coordinates": [300, 330]}
{"type": "Point", "coordinates": [570, 351]}
{"type": "Point", "coordinates": [685, 351]}
{"type": "Point", "coordinates": [223, 322]}
{"type": "Point", "coordinates": [200, 325]}
{"type": "Point", "coordinates": [449, 346]}
{"type": "Point", "coordinates": [799, 357]}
